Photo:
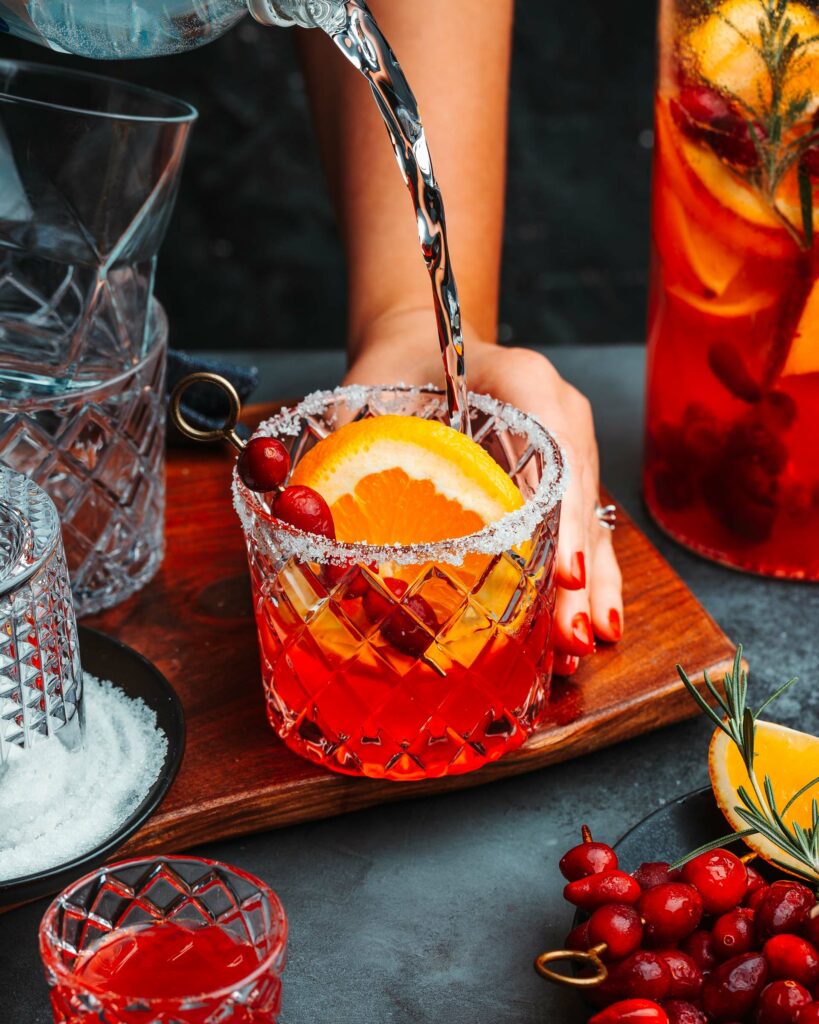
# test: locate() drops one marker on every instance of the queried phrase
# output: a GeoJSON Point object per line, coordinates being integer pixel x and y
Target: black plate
{"type": "Point", "coordinates": [137, 677]}
{"type": "Point", "coordinates": [674, 830]}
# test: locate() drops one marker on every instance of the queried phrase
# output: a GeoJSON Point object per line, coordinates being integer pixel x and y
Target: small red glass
{"type": "Point", "coordinates": [166, 940]}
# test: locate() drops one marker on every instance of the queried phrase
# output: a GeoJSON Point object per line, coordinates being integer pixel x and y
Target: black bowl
{"type": "Point", "coordinates": [137, 677]}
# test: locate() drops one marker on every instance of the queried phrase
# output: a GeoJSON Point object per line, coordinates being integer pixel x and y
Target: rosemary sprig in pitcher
{"type": "Point", "coordinates": [778, 111]}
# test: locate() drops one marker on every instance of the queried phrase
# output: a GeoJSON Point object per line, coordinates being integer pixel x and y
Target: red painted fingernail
{"type": "Point", "coordinates": [582, 631]}
{"type": "Point", "coordinates": [579, 570]}
{"type": "Point", "coordinates": [565, 664]}
{"type": "Point", "coordinates": [615, 624]}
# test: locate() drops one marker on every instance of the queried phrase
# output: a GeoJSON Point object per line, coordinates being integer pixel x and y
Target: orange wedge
{"type": "Point", "coordinates": [405, 480]}
{"type": "Point", "coordinates": [790, 758]}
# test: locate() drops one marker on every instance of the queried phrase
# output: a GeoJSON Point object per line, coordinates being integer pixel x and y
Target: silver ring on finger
{"type": "Point", "coordinates": [606, 516]}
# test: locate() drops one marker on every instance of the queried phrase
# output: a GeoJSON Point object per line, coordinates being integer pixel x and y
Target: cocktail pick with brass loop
{"type": "Point", "coordinates": [227, 432]}
{"type": "Point", "coordinates": [264, 462]}
{"type": "Point", "coordinates": [583, 958]}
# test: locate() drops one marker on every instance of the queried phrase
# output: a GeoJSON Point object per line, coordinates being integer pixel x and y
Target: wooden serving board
{"type": "Point", "coordinates": [195, 622]}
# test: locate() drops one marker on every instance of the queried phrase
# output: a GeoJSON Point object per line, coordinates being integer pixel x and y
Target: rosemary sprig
{"type": "Point", "coordinates": [776, 113]}
{"type": "Point", "coordinates": [759, 808]}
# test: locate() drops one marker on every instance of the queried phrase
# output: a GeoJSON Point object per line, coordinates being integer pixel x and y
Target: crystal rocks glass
{"type": "Point", "coordinates": [467, 690]}
{"type": "Point", "coordinates": [130, 899]}
{"type": "Point", "coordinates": [40, 675]}
{"type": "Point", "coordinates": [89, 169]}
{"type": "Point", "coordinates": [100, 454]}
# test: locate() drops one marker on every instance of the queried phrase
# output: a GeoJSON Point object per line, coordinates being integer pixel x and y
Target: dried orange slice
{"type": "Point", "coordinates": [405, 480]}
{"type": "Point", "coordinates": [790, 758]}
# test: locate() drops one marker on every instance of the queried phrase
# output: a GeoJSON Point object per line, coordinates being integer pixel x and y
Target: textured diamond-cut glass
{"type": "Point", "coordinates": [129, 900]}
{"type": "Point", "coordinates": [40, 675]}
{"type": "Point", "coordinates": [89, 169]}
{"type": "Point", "coordinates": [88, 450]}
{"type": "Point", "coordinates": [360, 680]}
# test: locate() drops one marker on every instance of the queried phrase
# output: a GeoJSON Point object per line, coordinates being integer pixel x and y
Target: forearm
{"type": "Point", "coordinates": [457, 61]}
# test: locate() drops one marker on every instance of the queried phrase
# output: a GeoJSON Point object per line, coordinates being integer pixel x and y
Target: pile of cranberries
{"type": "Point", "coordinates": [712, 942]}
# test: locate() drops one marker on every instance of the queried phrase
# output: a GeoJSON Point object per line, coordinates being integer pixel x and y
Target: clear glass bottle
{"type": "Point", "coordinates": [126, 29]}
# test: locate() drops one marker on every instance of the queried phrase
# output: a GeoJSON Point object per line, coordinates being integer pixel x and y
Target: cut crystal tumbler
{"type": "Point", "coordinates": [89, 169]}
{"type": "Point", "coordinates": [40, 675]}
{"type": "Point", "coordinates": [468, 678]}
{"type": "Point", "coordinates": [167, 940]}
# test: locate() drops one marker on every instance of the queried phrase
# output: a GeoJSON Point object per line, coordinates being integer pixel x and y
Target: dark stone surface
{"type": "Point", "coordinates": [253, 242]}
{"type": "Point", "coordinates": [433, 910]}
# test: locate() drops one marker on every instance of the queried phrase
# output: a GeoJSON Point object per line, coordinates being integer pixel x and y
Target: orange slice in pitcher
{"type": "Point", "coordinates": [405, 480]}
{"type": "Point", "coordinates": [726, 48]}
{"type": "Point", "coordinates": [790, 758]}
{"type": "Point", "coordinates": [804, 354]}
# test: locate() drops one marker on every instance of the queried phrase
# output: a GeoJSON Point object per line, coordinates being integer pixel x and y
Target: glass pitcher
{"type": "Point", "coordinates": [125, 29]}
{"type": "Point", "coordinates": [733, 363]}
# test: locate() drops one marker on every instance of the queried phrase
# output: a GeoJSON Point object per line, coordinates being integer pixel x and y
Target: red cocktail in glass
{"type": "Point", "coordinates": [408, 661]}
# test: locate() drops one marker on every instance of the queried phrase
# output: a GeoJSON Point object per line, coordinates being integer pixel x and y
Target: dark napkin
{"type": "Point", "coordinates": [204, 405]}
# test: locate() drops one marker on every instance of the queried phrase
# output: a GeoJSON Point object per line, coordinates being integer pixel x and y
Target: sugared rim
{"type": "Point", "coordinates": [49, 943]}
{"type": "Point", "coordinates": [513, 529]}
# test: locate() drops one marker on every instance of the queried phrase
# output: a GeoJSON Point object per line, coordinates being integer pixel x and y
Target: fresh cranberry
{"type": "Point", "coordinates": [733, 933]}
{"type": "Point", "coordinates": [706, 115]}
{"type": "Point", "coordinates": [578, 937]}
{"type": "Point", "coordinates": [263, 464]}
{"type": "Point", "coordinates": [780, 1002]}
{"type": "Point", "coordinates": [700, 947]}
{"type": "Point", "coordinates": [305, 509]}
{"type": "Point", "coordinates": [588, 858]}
{"type": "Point", "coordinates": [756, 897]}
{"type": "Point", "coordinates": [755, 882]}
{"type": "Point", "coordinates": [643, 975]}
{"type": "Point", "coordinates": [619, 926]}
{"type": "Point", "coordinates": [720, 878]}
{"type": "Point", "coordinates": [810, 929]}
{"type": "Point", "coordinates": [631, 1011]}
{"type": "Point", "coordinates": [671, 911]}
{"type": "Point", "coordinates": [356, 583]}
{"type": "Point", "coordinates": [654, 873]}
{"type": "Point", "coordinates": [607, 887]}
{"type": "Point", "coordinates": [730, 990]}
{"type": "Point", "coordinates": [792, 957]}
{"type": "Point", "coordinates": [808, 1014]}
{"type": "Point", "coordinates": [686, 976]}
{"type": "Point", "coordinates": [679, 1011]}
{"type": "Point", "coordinates": [785, 907]}
{"type": "Point", "coordinates": [410, 633]}
{"type": "Point", "coordinates": [705, 105]}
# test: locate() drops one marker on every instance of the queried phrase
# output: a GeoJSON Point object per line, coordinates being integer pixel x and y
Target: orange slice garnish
{"type": "Point", "coordinates": [790, 758]}
{"type": "Point", "coordinates": [405, 480]}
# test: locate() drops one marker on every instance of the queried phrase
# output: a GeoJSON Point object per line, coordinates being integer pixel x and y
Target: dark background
{"type": "Point", "coordinates": [252, 260]}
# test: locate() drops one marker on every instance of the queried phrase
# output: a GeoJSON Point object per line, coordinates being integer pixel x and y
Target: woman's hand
{"type": "Point", "coordinates": [589, 597]}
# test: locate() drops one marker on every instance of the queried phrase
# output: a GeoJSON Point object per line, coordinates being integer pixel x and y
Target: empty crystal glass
{"type": "Point", "coordinates": [89, 169]}
{"type": "Point", "coordinates": [408, 661]}
{"type": "Point", "coordinates": [40, 674]}
{"type": "Point", "coordinates": [166, 940]}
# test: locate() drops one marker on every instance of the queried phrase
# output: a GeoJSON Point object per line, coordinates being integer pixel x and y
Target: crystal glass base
{"type": "Point", "coordinates": [40, 674]}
